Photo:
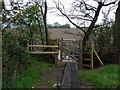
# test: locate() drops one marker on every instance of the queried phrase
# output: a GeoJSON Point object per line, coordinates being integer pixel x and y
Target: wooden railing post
{"type": "Point", "coordinates": [60, 48]}
{"type": "Point", "coordinates": [80, 45]}
{"type": "Point", "coordinates": [92, 62]}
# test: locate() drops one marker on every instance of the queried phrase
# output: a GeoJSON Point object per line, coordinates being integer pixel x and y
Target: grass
{"type": "Point", "coordinates": [107, 77]}
{"type": "Point", "coordinates": [31, 76]}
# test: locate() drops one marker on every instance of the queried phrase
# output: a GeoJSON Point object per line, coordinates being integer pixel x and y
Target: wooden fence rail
{"type": "Point", "coordinates": [52, 46]}
{"type": "Point", "coordinates": [54, 51]}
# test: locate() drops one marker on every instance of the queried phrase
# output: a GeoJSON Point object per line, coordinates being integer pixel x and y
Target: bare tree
{"type": "Point", "coordinates": [84, 11]}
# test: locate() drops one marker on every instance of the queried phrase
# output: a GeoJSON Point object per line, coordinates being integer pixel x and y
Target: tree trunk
{"type": "Point", "coordinates": [45, 24]}
{"type": "Point", "coordinates": [90, 28]}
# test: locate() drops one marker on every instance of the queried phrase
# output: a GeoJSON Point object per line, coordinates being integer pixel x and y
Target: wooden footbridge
{"type": "Point", "coordinates": [70, 77]}
{"type": "Point", "coordinates": [71, 52]}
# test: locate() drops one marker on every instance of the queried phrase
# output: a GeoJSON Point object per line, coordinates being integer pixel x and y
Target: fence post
{"type": "Point", "coordinates": [92, 56]}
{"type": "Point", "coordinates": [60, 48]}
{"type": "Point", "coordinates": [56, 50]}
{"type": "Point", "coordinates": [80, 45]}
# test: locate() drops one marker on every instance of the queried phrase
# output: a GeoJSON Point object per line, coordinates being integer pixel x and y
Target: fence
{"type": "Point", "coordinates": [87, 55]}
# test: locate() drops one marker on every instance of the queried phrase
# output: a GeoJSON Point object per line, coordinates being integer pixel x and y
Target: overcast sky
{"type": "Point", "coordinates": [53, 17]}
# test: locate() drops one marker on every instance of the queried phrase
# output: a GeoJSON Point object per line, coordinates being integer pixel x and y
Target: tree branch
{"type": "Point", "coordinates": [92, 8]}
{"type": "Point", "coordinates": [69, 19]}
{"type": "Point", "coordinates": [40, 8]}
{"type": "Point", "coordinates": [108, 4]}
{"type": "Point", "coordinates": [73, 17]}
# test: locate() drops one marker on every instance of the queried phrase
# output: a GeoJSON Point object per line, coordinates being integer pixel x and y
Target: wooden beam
{"type": "Point", "coordinates": [86, 59]}
{"type": "Point", "coordinates": [92, 57]}
{"type": "Point", "coordinates": [53, 46]}
{"type": "Point", "coordinates": [67, 41]}
{"type": "Point", "coordinates": [44, 52]}
{"type": "Point", "coordinates": [71, 55]}
{"type": "Point", "coordinates": [81, 54]}
{"type": "Point", "coordinates": [98, 57]}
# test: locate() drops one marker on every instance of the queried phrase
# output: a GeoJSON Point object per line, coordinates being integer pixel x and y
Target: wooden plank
{"type": "Point", "coordinates": [81, 55]}
{"type": "Point", "coordinates": [69, 41]}
{"type": "Point", "coordinates": [73, 66]}
{"type": "Point", "coordinates": [92, 57]}
{"type": "Point", "coordinates": [68, 44]}
{"type": "Point", "coordinates": [44, 52]}
{"type": "Point", "coordinates": [75, 83]}
{"type": "Point", "coordinates": [66, 82]}
{"type": "Point", "coordinates": [86, 59]}
{"type": "Point", "coordinates": [52, 46]}
{"type": "Point", "coordinates": [61, 52]}
{"type": "Point", "coordinates": [70, 78]}
{"type": "Point", "coordinates": [98, 57]}
{"type": "Point", "coordinates": [70, 59]}
{"type": "Point", "coordinates": [71, 55]}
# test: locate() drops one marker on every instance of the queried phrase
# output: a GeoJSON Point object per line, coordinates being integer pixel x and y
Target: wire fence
{"type": "Point", "coordinates": [109, 56]}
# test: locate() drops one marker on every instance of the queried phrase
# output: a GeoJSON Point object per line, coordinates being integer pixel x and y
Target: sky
{"type": "Point", "coordinates": [52, 15]}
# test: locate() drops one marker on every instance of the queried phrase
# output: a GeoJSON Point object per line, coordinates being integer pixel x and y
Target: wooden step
{"type": "Point", "coordinates": [86, 59]}
{"type": "Point", "coordinates": [86, 65]}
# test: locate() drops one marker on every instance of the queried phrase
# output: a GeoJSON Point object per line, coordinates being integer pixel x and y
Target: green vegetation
{"type": "Point", "coordinates": [31, 76]}
{"type": "Point", "coordinates": [107, 77]}
{"type": "Point", "coordinates": [23, 25]}
{"type": "Point", "coordinates": [57, 25]}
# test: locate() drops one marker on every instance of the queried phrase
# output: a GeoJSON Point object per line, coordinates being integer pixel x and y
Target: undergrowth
{"type": "Point", "coordinates": [31, 76]}
{"type": "Point", "coordinates": [107, 77]}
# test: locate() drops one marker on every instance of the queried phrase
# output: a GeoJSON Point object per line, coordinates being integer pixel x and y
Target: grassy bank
{"type": "Point", "coordinates": [32, 75]}
{"type": "Point", "coordinates": [106, 77]}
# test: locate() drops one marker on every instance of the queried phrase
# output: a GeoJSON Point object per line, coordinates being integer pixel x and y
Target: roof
{"type": "Point", "coordinates": [65, 33]}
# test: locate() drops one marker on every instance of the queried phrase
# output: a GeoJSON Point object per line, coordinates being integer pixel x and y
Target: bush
{"type": "Point", "coordinates": [15, 56]}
